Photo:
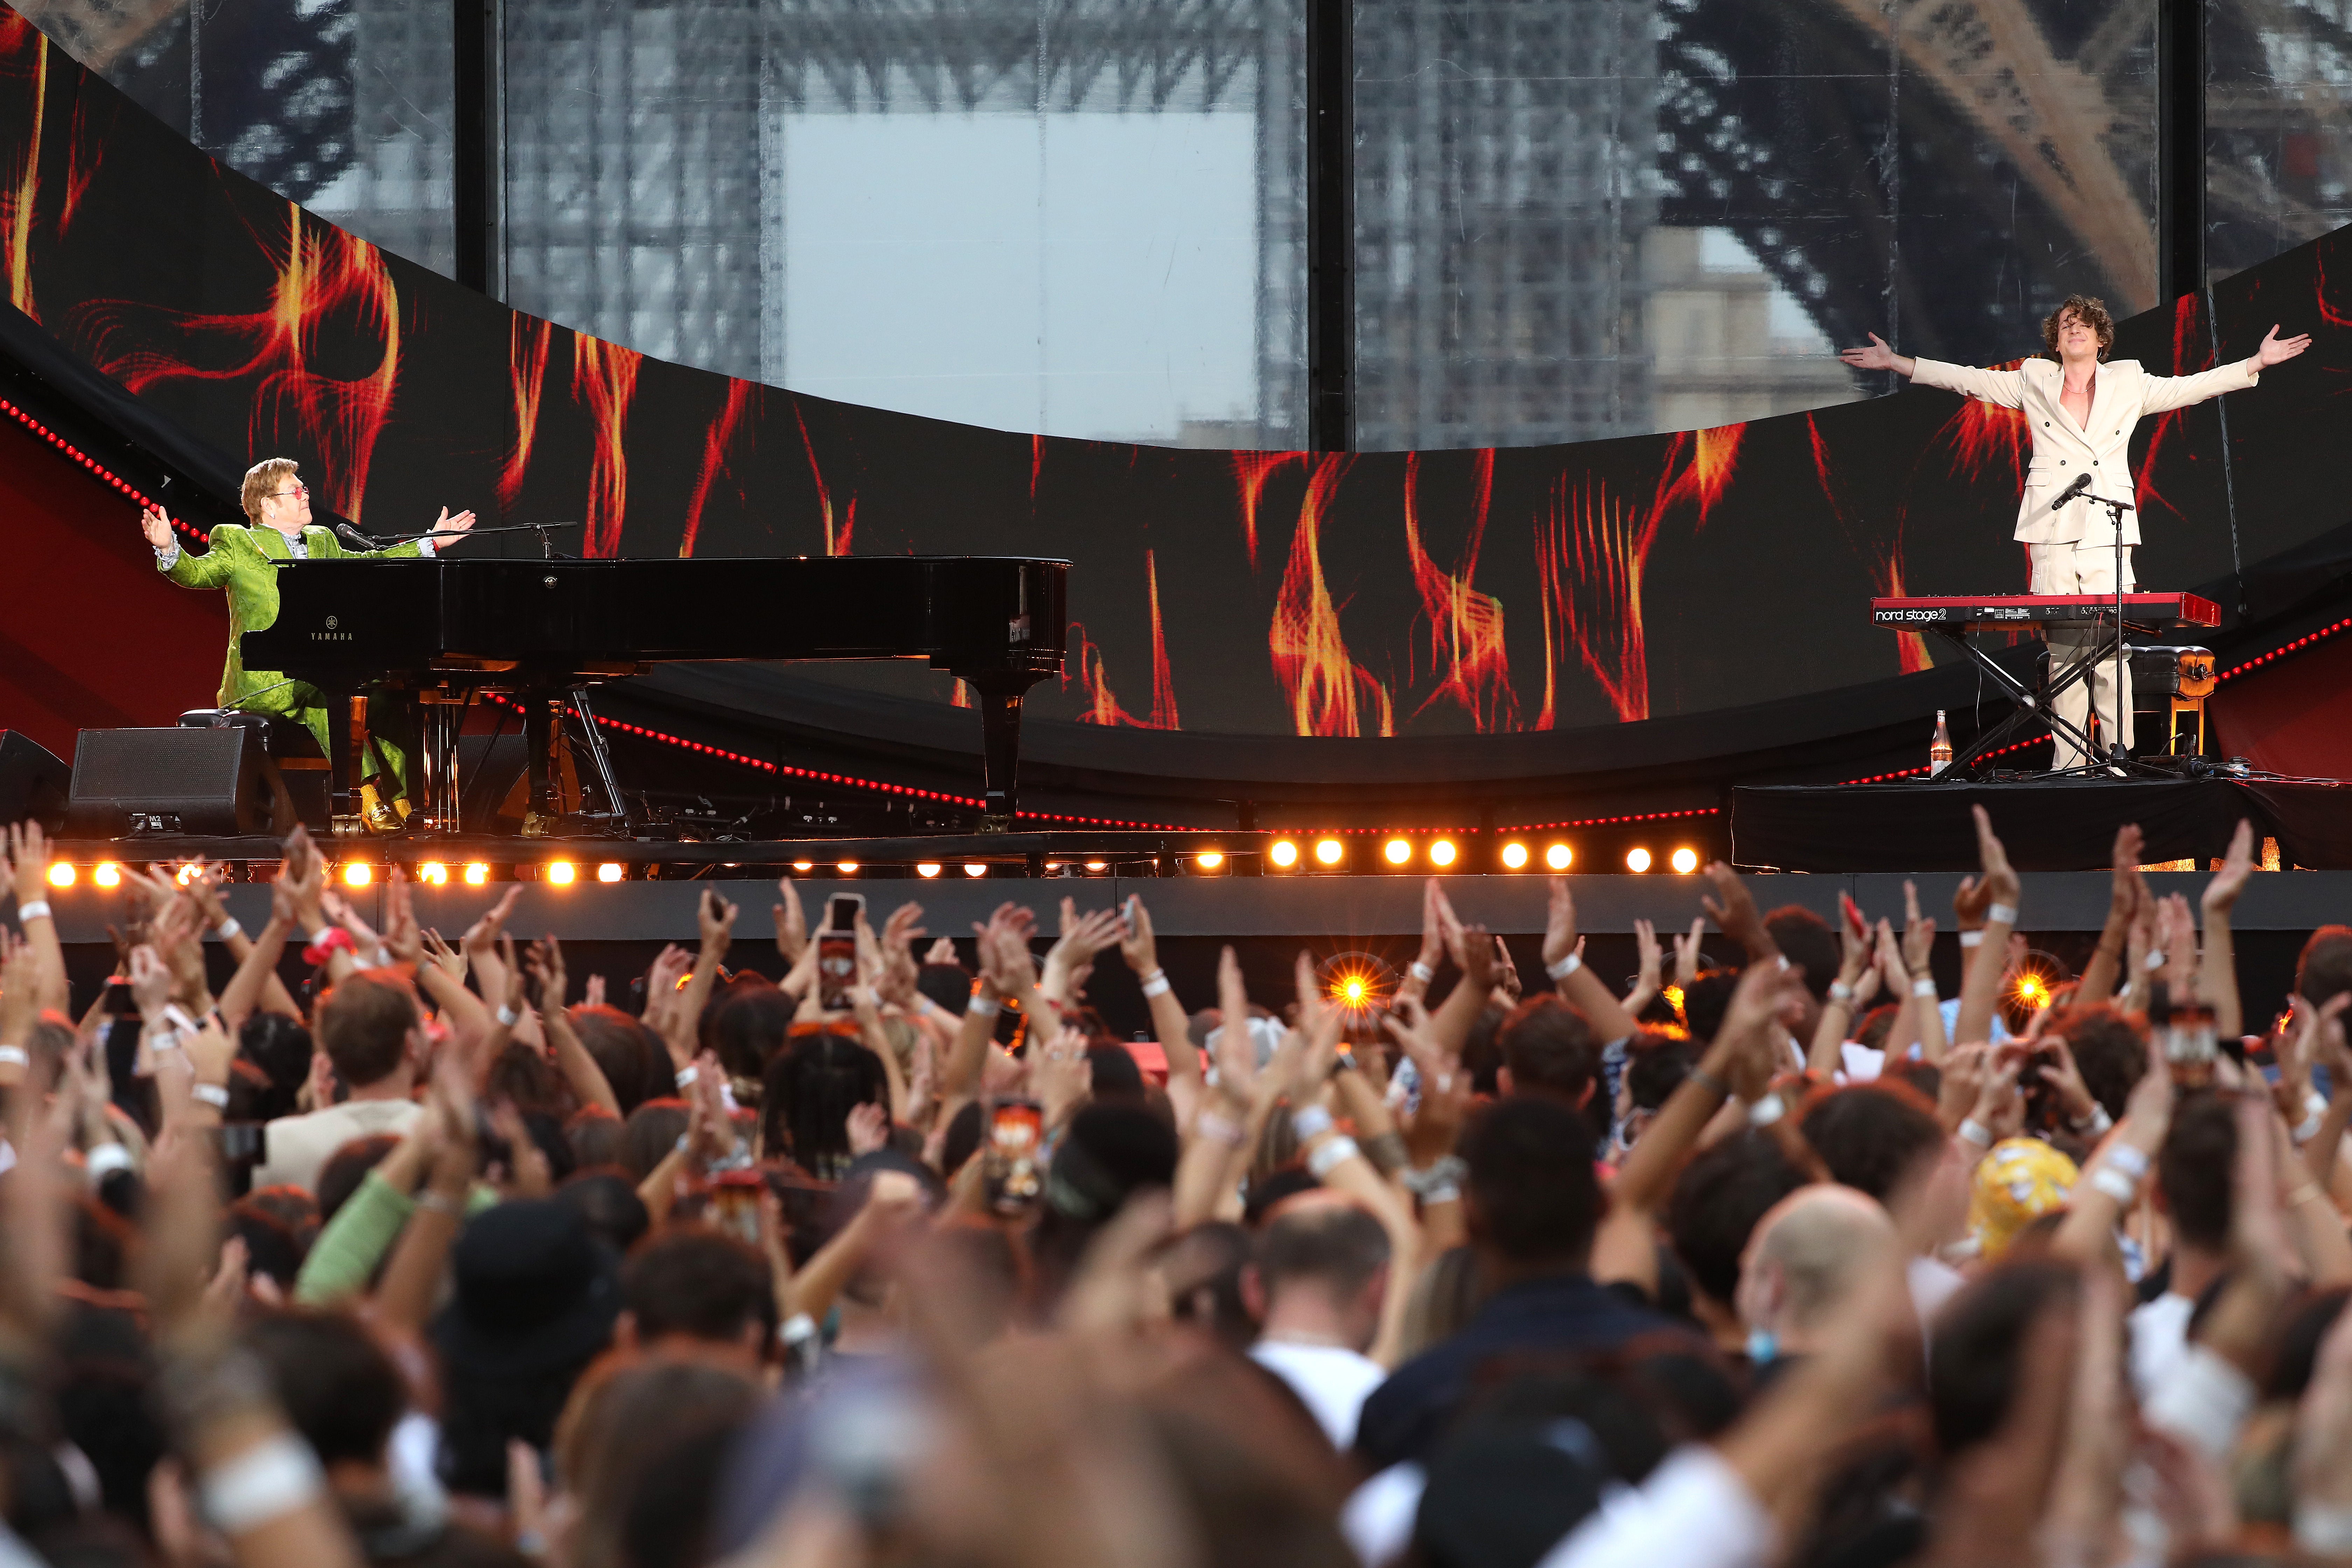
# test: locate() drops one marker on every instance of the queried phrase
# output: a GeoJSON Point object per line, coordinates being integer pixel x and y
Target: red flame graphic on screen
{"type": "Point", "coordinates": [1036, 463]}
{"type": "Point", "coordinates": [2188, 317]}
{"type": "Point", "coordinates": [528, 349]}
{"type": "Point", "coordinates": [833, 546]}
{"type": "Point", "coordinates": [24, 191]}
{"type": "Point", "coordinates": [1983, 435]}
{"type": "Point", "coordinates": [1253, 469]}
{"type": "Point", "coordinates": [1466, 626]}
{"type": "Point", "coordinates": [1884, 558]}
{"type": "Point", "coordinates": [2320, 294]}
{"type": "Point", "coordinates": [1330, 694]}
{"type": "Point", "coordinates": [325, 275]}
{"type": "Point", "coordinates": [742, 401]}
{"type": "Point", "coordinates": [1590, 552]}
{"type": "Point", "coordinates": [1699, 464]}
{"type": "Point", "coordinates": [1103, 705]}
{"type": "Point", "coordinates": [603, 381]}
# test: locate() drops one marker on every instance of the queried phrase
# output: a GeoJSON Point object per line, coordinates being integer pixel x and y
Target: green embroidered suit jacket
{"type": "Point", "coordinates": [243, 560]}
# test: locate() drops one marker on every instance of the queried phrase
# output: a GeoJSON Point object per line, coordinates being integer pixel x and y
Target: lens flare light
{"type": "Point", "coordinates": [562, 872]}
{"type": "Point", "coordinates": [611, 871]}
{"type": "Point", "coordinates": [1209, 860]}
{"type": "Point", "coordinates": [358, 873]}
{"type": "Point", "coordinates": [1397, 851]}
{"type": "Point", "coordinates": [1327, 851]}
{"type": "Point", "coordinates": [1637, 859]}
{"type": "Point", "coordinates": [1685, 861]}
{"type": "Point", "coordinates": [435, 872]}
{"type": "Point", "coordinates": [1442, 852]}
{"type": "Point", "coordinates": [62, 874]}
{"type": "Point", "coordinates": [1282, 853]}
{"type": "Point", "coordinates": [108, 874]}
{"type": "Point", "coordinates": [477, 873]}
{"type": "Point", "coordinates": [1515, 857]}
{"type": "Point", "coordinates": [1559, 857]}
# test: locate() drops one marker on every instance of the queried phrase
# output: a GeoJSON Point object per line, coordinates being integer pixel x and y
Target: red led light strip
{"type": "Point", "coordinates": [1913, 773]}
{"type": "Point", "coordinates": [96, 467]}
{"type": "Point", "coordinates": [1613, 821]}
{"type": "Point", "coordinates": [2282, 651]}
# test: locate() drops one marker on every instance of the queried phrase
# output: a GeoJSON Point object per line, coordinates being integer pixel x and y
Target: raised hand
{"type": "Point", "coordinates": [792, 921]}
{"type": "Point", "coordinates": [546, 966]}
{"type": "Point", "coordinates": [2276, 350]}
{"type": "Point", "coordinates": [1687, 955]}
{"type": "Point", "coordinates": [714, 917]}
{"type": "Point", "coordinates": [2222, 894]}
{"type": "Point", "coordinates": [867, 1127]}
{"type": "Point", "coordinates": [1135, 943]}
{"type": "Point", "coordinates": [1559, 924]}
{"type": "Point", "coordinates": [2000, 883]}
{"type": "Point", "coordinates": [445, 523]}
{"type": "Point", "coordinates": [155, 523]}
{"type": "Point", "coordinates": [1236, 1051]}
{"type": "Point", "coordinates": [1918, 931]}
{"type": "Point", "coordinates": [1733, 908]}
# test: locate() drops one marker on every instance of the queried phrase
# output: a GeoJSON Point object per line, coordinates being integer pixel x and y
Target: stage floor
{"type": "Point", "coordinates": [2052, 824]}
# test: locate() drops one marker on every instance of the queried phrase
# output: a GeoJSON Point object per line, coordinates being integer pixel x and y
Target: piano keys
{"type": "Point", "coordinates": [2016, 612]}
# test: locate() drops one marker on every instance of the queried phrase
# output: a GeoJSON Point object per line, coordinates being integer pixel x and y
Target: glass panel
{"type": "Point", "coordinates": [341, 105]}
{"type": "Point", "coordinates": [1081, 220]}
{"type": "Point", "coordinates": [1604, 217]}
{"type": "Point", "coordinates": [2278, 136]}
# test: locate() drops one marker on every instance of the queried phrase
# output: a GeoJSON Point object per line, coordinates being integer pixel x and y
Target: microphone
{"type": "Point", "coordinates": [350, 535]}
{"type": "Point", "coordinates": [2082, 482]}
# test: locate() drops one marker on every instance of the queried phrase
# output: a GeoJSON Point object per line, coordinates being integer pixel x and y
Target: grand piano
{"type": "Point", "coordinates": [543, 631]}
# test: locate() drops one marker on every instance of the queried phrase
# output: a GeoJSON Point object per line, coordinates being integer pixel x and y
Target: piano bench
{"type": "Point", "coordinates": [286, 748]}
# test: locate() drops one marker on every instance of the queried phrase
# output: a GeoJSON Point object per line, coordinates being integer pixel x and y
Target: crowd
{"type": "Point", "coordinates": [1780, 1257]}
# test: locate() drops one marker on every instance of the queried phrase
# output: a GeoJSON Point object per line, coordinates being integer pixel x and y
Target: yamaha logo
{"type": "Point", "coordinates": [333, 623]}
{"type": "Point", "coordinates": [330, 637]}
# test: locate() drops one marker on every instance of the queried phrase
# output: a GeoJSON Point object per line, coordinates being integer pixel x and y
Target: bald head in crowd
{"type": "Point", "coordinates": [1802, 1261]}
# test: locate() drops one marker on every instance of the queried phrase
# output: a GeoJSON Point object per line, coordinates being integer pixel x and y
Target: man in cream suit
{"type": "Point", "coordinates": [2082, 411]}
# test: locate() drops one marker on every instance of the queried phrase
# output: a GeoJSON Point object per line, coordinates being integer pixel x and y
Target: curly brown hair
{"type": "Point", "coordinates": [2092, 313]}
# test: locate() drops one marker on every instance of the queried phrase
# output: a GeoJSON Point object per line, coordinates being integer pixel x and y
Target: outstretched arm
{"type": "Point", "coordinates": [1879, 356]}
{"type": "Point", "coordinates": [209, 570]}
{"type": "Point", "coordinates": [2165, 392]}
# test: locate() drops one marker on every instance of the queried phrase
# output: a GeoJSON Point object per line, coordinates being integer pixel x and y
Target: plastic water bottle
{"type": "Point", "coordinates": [1939, 751]}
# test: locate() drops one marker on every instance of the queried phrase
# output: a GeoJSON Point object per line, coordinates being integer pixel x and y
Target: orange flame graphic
{"type": "Point", "coordinates": [833, 546]}
{"type": "Point", "coordinates": [26, 187]}
{"type": "Point", "coordinates": [1330, 694]}
{"type": "Point", "coordinates": [1036, 463]}
{"type": "Point", "coordinates": [1253, 469]}
{"type": "Point", "coordinates": [1703, 474]}
{"type": "Point", "coordinates": [325, 271]}
{"type": "Point", "coordinates": [1984, 433]}
{"type": "Point", "coordinates": [2186, 319]}
{"type": "Point", "coordinates": [528, 351]}
{"type": "Point", "coordinates": [1164, 682]}
{"type": "Point", "coordinates": [1590, 552]}
{"type": "Point", "coordinates": [742, 399]}
{"type": "Point", "coordinates": [1103, 705]}
{"type": "Point", "coordinates": [1883, 559]}
{"type": "Point", "coordinates": [1466, 626]}
{"type": "Point", "coordinates": [605, 379]}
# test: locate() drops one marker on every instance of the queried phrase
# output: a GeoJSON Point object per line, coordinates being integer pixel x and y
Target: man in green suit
{"type": "Point", "coordinates": [242, 560]}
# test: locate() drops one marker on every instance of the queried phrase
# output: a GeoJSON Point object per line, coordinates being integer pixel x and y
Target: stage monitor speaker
{"type": "Point", "coordinates": [202, 782]}
{"type": "Point", "coordinates": [33, 782]}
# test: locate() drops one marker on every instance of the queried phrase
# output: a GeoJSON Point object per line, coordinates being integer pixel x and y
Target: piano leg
{"type": "Point", "coordinates": [1000, 730]}
{"type": "Point", "coordinates": [542, 732]}
{"type": "Point", "coordinates": [343, 791]}
{"type": "Point", "coordinates": [443, 718]}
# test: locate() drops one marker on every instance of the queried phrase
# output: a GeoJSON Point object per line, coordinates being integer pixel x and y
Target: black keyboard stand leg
{"type": "Point", "coordinates": [342, 792]}
{"type": "Point", "coordinates": [593, 739]}
{"type": "Point", "coordinates": [541, 733]}
{"type": "Point", "coordinates": [999, 733]}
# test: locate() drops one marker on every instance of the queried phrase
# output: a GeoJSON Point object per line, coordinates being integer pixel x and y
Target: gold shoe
{"type": "Point", "coordinates": [539, 825]}
{"type": "Point", "coordinates": [379, 818]}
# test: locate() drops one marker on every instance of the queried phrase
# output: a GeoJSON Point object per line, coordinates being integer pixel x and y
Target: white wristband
{"type": "Point", "coordinates": [1841, 993]}
{"type": "Point", "coordinates": [177, 1016]}
{"type": "Point", "coordinates": [506, 1017]}
{"type": "Point", "coordinates": [1219, 1128]}
{"type": "Point", "coordinates": [104, 1161]}
{"type": "Point", "coordinates": [1325, 1158]}
{"type": "Point", "coordinates": [228, 928]}
{"type": "Point", "coordinates": [2154, 959]}
{"type": "Point", "coordinates": [687, 1075]}
{"type": "Point", "coordinates": [2116, 1185]}
{"type": "Point", "coordinates": [14, 1056]}
{"type": "Point", "coordinates": [1443, 1193]}
{"type": "Point", "coordinates": [2128, 1160]}
{"type": "Point", "coordinates": [2001, 915]}
{"type": "Point", "coordinates": [1767, 1110]}
{"type": "Point", "coordinates": [2096, 1123]}
{"type": "Point", "coordinates": [260, 1485]}
{"type": "Point", "coordinates": [1565, 967]}
{"type": "Point", "coordinates": [1310, 1121]}
{"type": "Point", "coordinates": [1157, 985]}
{"type": "Point", "coordinates": [1422, 971]}
{"type": "Point", "coordinates": [213, 1094]}
{"type": "Point", "coordinates": [985, 1006]}
{"type": "Point", "coordinates": [1973, 939]}
{"type": "Point", "coordinates": [797, 1328]}
{"type": "Point", "coordinates": [2308, 1128]}
{"type": "Point", "coordinates": [1976, 1133]}
{"type": "Point", "coordinates": [1923, 986]}
{"type": "Point", "coordinates": [38, 909]}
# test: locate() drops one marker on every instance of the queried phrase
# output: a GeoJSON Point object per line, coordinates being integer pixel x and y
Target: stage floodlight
{"type": "Point", "coordinates": [1559, 857]}
{"type": "Point", "coordinates": [185, 874]}
{"type": "Point", "coordinates": [358, 873]}
{"type": "Point", "coordinates": [846, 868]}
{"type": "Point", "coordinates": [477, 873]}
{"type": "Point", "coordinates": [1442, 852]}
{"type": "Point", "coordinates": [975, 868]}
{"type": "Point", "coordinates": [926, 868]}
{"type": "Point", "coordinates": [1637, 859]}
{"type": "Point", "coordinates": [1097, 865]}
{"type": "Point", "coordinates": [804, 867]}
{"type": "Point", "coordinates": [1328, 851]}
{"type": "Point", "coordinates": [1397, 851]}
{"type": "Point", "coordinates": [562, 872]}
{"type": "Point", "coordinates": [62, 874]}
{"type": "Point", "coordinates": [1685, 861]}
{"type": "Point", "coordinates": [1209, 860]}
{"type": "Point", "coordinates": [612, 872]}
{"type": "Point", "coordinates": [108, 874]}
{"type": "Point", "coordinates": [1515, 857]}
{"type": "Point", "coordinates": [432, 871]}
{"type": "Point", "coordinates": [1282, 853]}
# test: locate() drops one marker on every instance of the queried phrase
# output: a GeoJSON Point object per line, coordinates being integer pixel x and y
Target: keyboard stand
{"type": "Point", "coordinates": [2032, 705]}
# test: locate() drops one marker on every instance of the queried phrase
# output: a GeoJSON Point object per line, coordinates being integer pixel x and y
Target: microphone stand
{"type": "Point", "coordinates": [2115, 510]}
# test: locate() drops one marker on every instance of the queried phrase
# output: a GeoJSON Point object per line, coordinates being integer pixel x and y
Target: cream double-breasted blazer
{"type": "Point", "coordinates": [2122, 390]}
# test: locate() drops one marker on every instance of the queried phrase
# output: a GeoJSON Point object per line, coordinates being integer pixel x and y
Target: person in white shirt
{"type": "Point", "coordinates": [369, 1027]}
{"type": "Point", "coordinates": [1317, 1285]}
{"type": "Point", "coordinates": [2080, 409]}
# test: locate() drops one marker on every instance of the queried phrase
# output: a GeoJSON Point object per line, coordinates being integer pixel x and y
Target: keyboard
{"type": "Point", "coordinates": [2010, 612]}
